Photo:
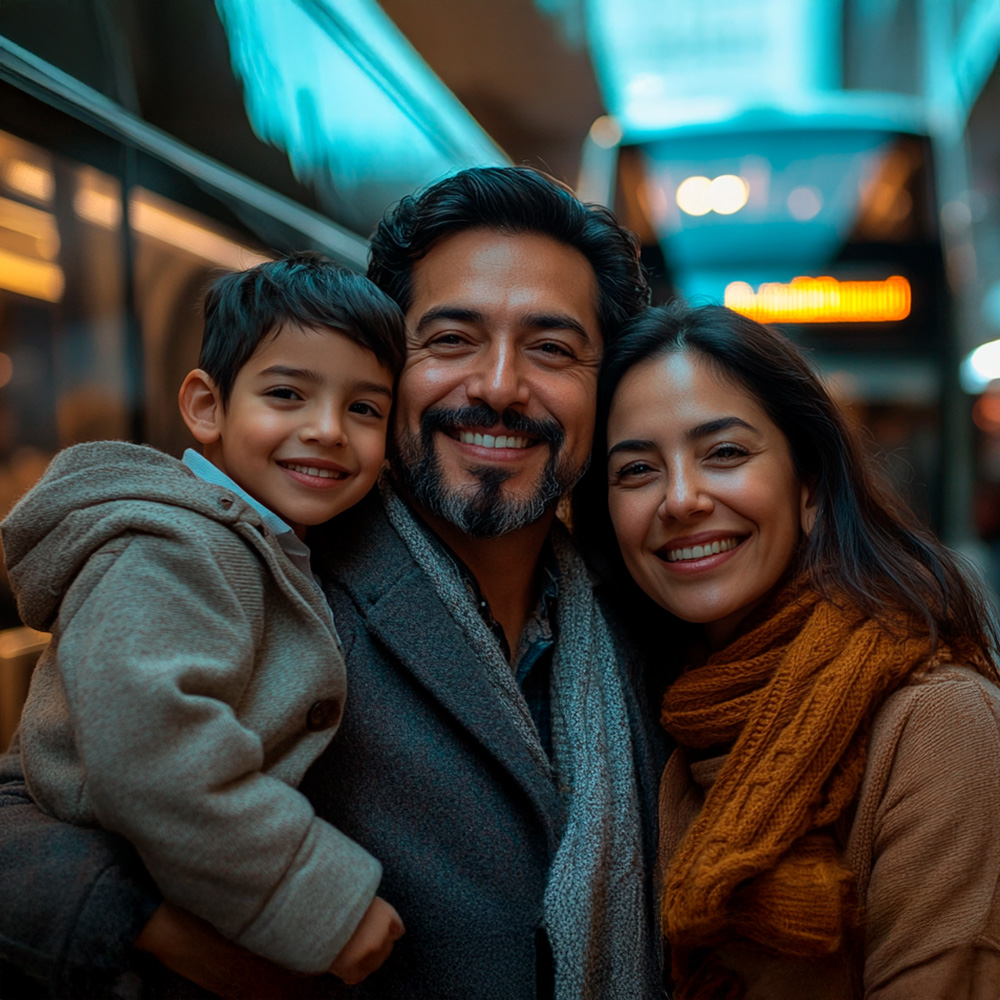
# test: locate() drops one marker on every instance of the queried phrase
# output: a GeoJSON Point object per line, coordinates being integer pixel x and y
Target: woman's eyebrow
{"type": "Point", "coordinates": [714, 426]}
{"type": "Point", "coordinates": [692, 434]}
{"type": "Point", "coordinates": [633, 444]}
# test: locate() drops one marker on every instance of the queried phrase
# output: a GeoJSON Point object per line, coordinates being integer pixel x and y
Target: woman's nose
{"type": "Point", "coordinates": [685, 496]}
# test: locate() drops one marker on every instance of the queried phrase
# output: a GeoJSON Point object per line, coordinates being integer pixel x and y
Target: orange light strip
{"type": "Point", "coordinates": [822, 300]}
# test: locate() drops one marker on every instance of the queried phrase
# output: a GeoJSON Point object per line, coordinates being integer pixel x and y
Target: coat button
{"type": "Point", "coordinates": [324, 714]}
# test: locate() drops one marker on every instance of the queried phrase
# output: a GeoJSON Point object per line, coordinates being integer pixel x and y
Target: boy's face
{"type": "Point", "coordinates": [304, 429]}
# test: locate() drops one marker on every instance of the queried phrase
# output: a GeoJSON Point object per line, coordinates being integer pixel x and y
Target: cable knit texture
{"type": "Point", "coordinates": [793, 697]}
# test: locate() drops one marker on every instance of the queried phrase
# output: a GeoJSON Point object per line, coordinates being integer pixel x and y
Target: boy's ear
{"type": "Point", "coordinates": [201, 406]}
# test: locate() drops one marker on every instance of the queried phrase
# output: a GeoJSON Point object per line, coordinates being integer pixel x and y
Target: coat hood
{"type": "Point", "coordinates": [90, 494]}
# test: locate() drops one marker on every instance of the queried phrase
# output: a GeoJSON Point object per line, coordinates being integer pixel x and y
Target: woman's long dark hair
{"type": "Point", "coordinates": [866, 544]}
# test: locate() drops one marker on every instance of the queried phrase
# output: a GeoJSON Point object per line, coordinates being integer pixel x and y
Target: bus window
{"type": "Point", "coordinates": [178, 252]}
{"type": "Point", "coordinates": [62, 324]}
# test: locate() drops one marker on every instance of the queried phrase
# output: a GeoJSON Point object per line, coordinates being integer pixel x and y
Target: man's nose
{"type": "Point", "coordinates": [498, 378]}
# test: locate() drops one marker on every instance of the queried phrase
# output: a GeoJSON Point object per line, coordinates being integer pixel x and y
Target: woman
{"type": "Point", "coordinates": [830, 816]}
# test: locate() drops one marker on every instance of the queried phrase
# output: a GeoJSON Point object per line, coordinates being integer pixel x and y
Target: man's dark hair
{"type": "Point", "coordinates": [511, 200]}
{"type": "Point", "coordinates": [303, 289]}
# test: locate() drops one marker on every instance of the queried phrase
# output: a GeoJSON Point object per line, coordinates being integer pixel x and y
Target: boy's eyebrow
{"type": "Point", "coordinates": [308, 375]}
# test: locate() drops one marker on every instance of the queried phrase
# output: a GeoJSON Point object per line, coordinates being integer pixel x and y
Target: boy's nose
{"type": "Point", "coordinates": [326, 427]}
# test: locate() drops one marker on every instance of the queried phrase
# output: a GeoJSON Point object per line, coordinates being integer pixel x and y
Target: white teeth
{"type": "Point", "coordinates": [492, 441]}
{"type": "Point", "coordinates": [700, 551]}
{"type": "Point", "coordinates": [311, 470]}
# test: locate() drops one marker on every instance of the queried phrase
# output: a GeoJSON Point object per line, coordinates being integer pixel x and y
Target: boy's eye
{"type": "Point", "coordinates": [365, 409]}
{"type": "Point", "coordinates": [282, 392]}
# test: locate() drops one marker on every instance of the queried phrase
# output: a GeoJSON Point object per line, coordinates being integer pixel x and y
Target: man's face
{"type": "Point", "coordinates": [496, 401]}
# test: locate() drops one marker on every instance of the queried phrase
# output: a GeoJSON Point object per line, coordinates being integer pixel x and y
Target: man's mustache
{"type": "Point", "coordinates": [485, 416]}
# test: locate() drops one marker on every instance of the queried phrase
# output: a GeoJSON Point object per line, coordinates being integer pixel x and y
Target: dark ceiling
{"type": "Point", "coordinates": [532, 90]}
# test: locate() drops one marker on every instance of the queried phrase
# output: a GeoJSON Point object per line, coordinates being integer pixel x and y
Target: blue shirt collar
{"type": "Point", "coordinates": [291, 544]}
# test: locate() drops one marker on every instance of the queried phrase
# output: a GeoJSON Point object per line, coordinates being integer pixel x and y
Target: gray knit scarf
{"type": "Point", "coordinates": [594, 903]}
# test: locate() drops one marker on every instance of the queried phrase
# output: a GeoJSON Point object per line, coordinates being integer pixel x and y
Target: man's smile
{"type": "Point", "coordinates": [486, 440]}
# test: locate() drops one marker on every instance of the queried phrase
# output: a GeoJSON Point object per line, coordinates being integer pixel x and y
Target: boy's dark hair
{"type": "Point", "coordinates": [305, 289]}
{"type": "Point", "coordinates": [511, 200]}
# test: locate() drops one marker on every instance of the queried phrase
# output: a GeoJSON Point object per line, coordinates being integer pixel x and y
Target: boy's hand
{"type": "Point", "coordinates": [370, 944]}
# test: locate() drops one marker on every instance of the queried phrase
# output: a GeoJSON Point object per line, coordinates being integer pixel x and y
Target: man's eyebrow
{"type": "Point", "coordinates": [556, 321]}
{"type": "Point", "coordinates": [457, 314]}
{"type": "Point", "coordinates": [535, 321]}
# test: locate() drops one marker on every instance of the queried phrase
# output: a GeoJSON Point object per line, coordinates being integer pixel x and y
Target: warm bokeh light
{"type": "Point", "coordinates": [725, 195]}
{"type": "Point", "coordinates": [694, 196]}
{"type": "Point", "coordinates": [804, 203]}
{"type": "Point", "coordinates": [606, 132]}
{"type": "Point", "coordinates": [38, 279]}
{"type": "Point", "coordinates": [986, 413]}
{"type": "Point", "coordinates": [29, 179]}
{"type": "Point", "coordinates": [728, 194]}
{"type": "Point", "coordinates": [822, 300]}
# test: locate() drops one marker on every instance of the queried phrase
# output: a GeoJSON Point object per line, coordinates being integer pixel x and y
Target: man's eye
{"type": "Point", "coordinates": [447, 340]}
{"type": "Point", "coordinates": [283, 392]}
{"type": "Point", "coordinates": [556, 349]}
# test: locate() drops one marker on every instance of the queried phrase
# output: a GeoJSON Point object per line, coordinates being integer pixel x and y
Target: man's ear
{"type": "Point", "coordinates": [807, 508]}
{"type": "Point", "coordinates": [201, 406]}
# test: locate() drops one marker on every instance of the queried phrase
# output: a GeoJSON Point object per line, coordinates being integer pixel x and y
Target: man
{"type": "Point", "coordinates": [495, 753]}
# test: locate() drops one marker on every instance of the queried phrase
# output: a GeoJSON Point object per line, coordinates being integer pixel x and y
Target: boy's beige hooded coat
{"type": "Point", "coordinates": [193, 676]}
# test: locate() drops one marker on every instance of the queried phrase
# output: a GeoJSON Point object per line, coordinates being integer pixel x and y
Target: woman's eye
{"type": "Point", "coordinates": [631, 471]}
{"type": "Point", "coordinates": [728, 451]}
{"type": "Point", "coordinates": [365, 410]}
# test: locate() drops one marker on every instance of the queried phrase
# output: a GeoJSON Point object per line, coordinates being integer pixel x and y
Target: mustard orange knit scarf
{"type": "Point", "coordinates": [792, 699]}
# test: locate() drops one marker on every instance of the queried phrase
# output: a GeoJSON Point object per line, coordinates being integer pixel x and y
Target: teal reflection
{"type": "Point", "coordinates": [339, 90]}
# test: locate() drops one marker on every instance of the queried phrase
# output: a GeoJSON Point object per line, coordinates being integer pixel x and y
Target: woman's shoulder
{"type": "Point", "coordinates": [948, 694]}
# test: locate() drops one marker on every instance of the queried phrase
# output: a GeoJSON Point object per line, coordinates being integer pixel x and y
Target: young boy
{"type": "Point", "coordinates": [194, 671]}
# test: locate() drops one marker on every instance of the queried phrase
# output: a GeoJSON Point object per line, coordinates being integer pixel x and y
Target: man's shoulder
{"type": "Point", "coordinates": [358, 547]}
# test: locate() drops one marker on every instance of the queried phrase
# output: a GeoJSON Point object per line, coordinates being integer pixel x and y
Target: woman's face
{"type": "Point", "coordinates": [703, 494]}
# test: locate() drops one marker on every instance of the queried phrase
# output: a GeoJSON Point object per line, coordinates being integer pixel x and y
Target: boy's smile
{"type": "Point", "coordinates": [303, 431]}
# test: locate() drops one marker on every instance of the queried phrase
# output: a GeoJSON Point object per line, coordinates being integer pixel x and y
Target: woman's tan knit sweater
{"type": "Point", "coordinates": [923, 840]}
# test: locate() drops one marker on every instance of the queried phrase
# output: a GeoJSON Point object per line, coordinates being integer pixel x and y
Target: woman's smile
{"type": "Point", "coordinates": [703, 494]}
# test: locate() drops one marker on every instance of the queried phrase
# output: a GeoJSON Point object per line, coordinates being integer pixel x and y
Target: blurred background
{"type": "Point", "coordinates": [828, 166]}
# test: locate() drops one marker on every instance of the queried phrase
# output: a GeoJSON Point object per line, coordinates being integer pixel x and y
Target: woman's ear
{"type": "Point", "coordinates": [201, 406]}
{"type": "Point", "coordinates": [807, 508]}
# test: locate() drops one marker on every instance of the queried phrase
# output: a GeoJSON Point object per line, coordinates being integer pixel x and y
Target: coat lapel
{"type": "Point", "coordinates": [362, 554]}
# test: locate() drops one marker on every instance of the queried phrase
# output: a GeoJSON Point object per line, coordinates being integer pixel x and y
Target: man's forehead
{"type": "Point", "coordinates": [476, 268]}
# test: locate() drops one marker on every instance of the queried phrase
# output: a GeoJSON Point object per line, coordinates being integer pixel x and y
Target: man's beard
{"type": "Point", "coordinates": [480, 509]}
